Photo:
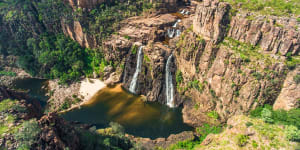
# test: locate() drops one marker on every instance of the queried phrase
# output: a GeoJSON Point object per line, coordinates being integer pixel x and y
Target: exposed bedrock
{"type": "Point", "coordinates": [222, 62]}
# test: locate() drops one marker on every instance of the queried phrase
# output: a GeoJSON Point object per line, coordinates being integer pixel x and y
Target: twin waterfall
{"type": "Point", "coordinates": [137, 70]}
{"type": "Point", "coordinates": [173, 32]}
{"type": "Point", "coordinates": [169, 84]}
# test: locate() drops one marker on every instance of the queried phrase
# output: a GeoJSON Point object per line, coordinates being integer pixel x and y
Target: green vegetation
{"type": "Point", "coordinates": [296, 78]}
{"type": "Point", "coordinates": [213, 114]}
{"type": "Point", "coordinates": [248, 124]}
{"type": "Point", "coordinates": [268, 7]}
{"type": "Point", "coordinates": [7, 104]}
{"type": "Point", "coordinates": [289, 118]}
{"type": "Point", "coordinates": [134, 49]}
{"type": "Point", "coordinates": [62, 58]}
{"type": "Point", "coordinates": [7, 73]}
{"type": "Point", "coordinates": [112, 138]}
{"type": "Point", "coordinates": [184, 145]}
{"type": "Point", "coordinates": [28, 134]}
{"type": "Point", "coordinates": [34, 33]}
{"type": "Point", "coordinates": [242, 140]}
{"type": "Point", "coordinates": [203, 131]}
{"type": "Point", "coordinates": [292, 61]}
{"type": "Point", "coordinates": [65, 105]}
{"type": "Point", "coordinates": [196, 85]}
{"type": "Point", "coordinates": [292, 133]}
{"type": "Point", "coordinates": [179, 77]}
{"type": "Point", "coordinates": [248, 53]}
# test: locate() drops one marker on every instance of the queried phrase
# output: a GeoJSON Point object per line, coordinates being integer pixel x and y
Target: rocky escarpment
{"type": "Point", "coordinates": [147, 32]}
{"type": "Point", "coordinates": [23, 125]}
{"type": "Point", "coordinates": [221, 65]}
{"type": "Point", "coordinates": [289, 96]}
{"type": "Point", "coordinates": [248, 133]}
{"type": "Point", "coordinates": [224, 61]}
{"type": "Point", "coordinates": [243, 71]}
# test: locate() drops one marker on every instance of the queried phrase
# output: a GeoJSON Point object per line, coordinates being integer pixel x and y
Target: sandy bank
{"type": "Point", "coordinates": [90, 87]}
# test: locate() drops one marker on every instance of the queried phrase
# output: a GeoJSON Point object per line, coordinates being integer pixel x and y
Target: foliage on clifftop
{"type": "Point", "coordinates": [269, 7]}
{"type": "Point", "coordinates": [32, 30]}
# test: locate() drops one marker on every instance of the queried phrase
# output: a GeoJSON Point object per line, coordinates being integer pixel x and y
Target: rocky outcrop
{"type": "Point", "coordinates": [277, 35]}
{"type": "Point", "coordinates": [211, 19]}
{"type": "Point", "coordinates": [56, 134]}
{"type": "Point", "coordinates": [218, 79]}
{"type": "Point", "coordinates": [234, 76]}
{"type": "Point", "coordinates": [85, 4]}
{"type": "Point", "coordinates": [248, 133]}
{"type": "Point", "coordinates": [75, 32]}
{"type": "Point", "coordinates": [151, 81]}
{"type": "Point", "coordinates": [122, 49]}
{"type": "Point", "coordinates": [290, 94]}
{"type": "Point", "coordinates": [149, 144]}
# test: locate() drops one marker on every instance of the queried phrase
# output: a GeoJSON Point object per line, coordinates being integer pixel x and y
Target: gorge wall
{"type": "Point", "coordinates": [223, 62]}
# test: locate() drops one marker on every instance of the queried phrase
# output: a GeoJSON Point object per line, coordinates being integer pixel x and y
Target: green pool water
{"type": "Point", "coordinates": [36, 88]}
{"type": "Point", "coordinates": [114, 104]}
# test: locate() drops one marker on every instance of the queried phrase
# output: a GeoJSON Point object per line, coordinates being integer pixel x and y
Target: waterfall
{"type": "Point", "coordinates": [171, 33]}
{"type": "Point", "coordinates": [175, 25]}
{"type": "Point", "coordinates": [182, 12]}
{"type": "Point", "coordinates": [169, 83]}
{"type": "Point", "coordinates": [178, 32]}
{"type": "Point", "coordinates": [137, 70]}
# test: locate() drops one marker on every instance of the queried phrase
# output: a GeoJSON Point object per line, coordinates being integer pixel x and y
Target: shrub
{"type": "Point", "coordinates": [134, 49]}
{"type": "Point", "coordinates": [266, 115]}
{"type": "Point", "coordinates": [213, 114]}
{"type": "Point", "coordinates": [248, 124]}
{"type": "Point", "coordinates": [207, 129]}
{"type": "Point", "coordinates": [296, 78]}
{"type": "Point", "coordinates": [184, 145]}
{"type": "Point", "coordinates": [179, 77]}
{"type": "Point", "coordinates": [117, 128]}
{"type": "Point", "coordinates": [291, 117]}
{"type": "Point", "coordinates": [213, 93]}
{"type": "Point", "coordinates": [257, 75]}
{"type": "Point", "coordinates": [254, 144]}
{"type": "Point", "coordinates": [242, 140]}
{"type": "Point", "coordinates": [28, 133]}
{"type": "Point", "coordinates": [292, 133]}
{"type": "Point", "coordinates": [127, 37]}
{"type": "Point", "coordinates": [65, 105]}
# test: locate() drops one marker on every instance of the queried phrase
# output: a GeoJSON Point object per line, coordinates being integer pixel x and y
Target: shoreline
{"type": "Point", "coordinates": [88, 88]}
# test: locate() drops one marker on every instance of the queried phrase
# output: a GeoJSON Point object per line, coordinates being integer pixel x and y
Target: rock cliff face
{"type": "Point", "coordinates": [211, 19]}
{"type": "Point", "coordinates": [75, 32]}
{"type": "Point", "coordinates": [228, 64]}
{"type": "Point", "coordinates": [272, 34]}
{"type": "Point", "coordinates": [289, 96]}
{"type": "Point", "coordinates": [85, 4]}
{"type": "Point", "coordinates": [147, 32]}
{"type": "Point", "coordinates": [232, 77]}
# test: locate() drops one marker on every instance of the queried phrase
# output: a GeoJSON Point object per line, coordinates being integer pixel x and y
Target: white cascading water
{"type": "Point", "coordinates": [169, 83]}
{"type": "Point", "coordinates": [171, 33]}
{"type": "Point", "coordinates": [182, 12]}
{"type": "Point", "coordinates": [137, 70]}
{"type": "Point", "coordinates": [175, 25]}
{"type": "Point", "coordinates": [178, 32]}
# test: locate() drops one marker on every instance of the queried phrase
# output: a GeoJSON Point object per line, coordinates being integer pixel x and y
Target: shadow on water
{"type": "Point", "coordinates": [34, 87]}
{"type": "Point", "coordinates": [142, 119]}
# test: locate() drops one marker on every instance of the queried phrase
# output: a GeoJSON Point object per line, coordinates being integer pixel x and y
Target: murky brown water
{"type": "Point", "coordinates": [138, 118]}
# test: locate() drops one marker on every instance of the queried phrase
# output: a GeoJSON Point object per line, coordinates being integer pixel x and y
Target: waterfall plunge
{"type": "Point", "coordinates": [137, 70]}
{"type": "Point", "coordinates": [169, 84]}
{"type": "Point", "coordinates": [178, 32]}
{"type": "Point", "coordinates": [171, 33]}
